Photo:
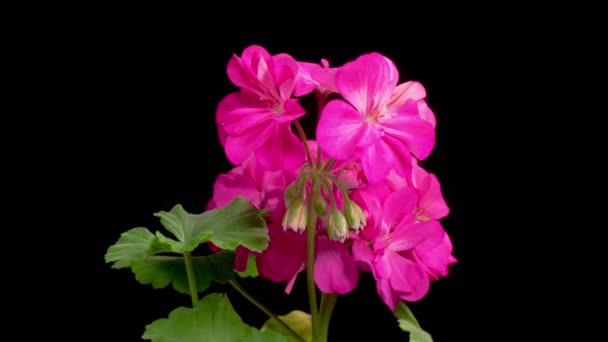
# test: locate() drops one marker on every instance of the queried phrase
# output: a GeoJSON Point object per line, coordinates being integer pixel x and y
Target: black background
{"type": "Point", "coordinates": [109, 117]}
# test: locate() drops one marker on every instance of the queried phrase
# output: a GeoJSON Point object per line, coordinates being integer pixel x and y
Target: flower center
{"type": "Point", "coordinates": [375, 116]}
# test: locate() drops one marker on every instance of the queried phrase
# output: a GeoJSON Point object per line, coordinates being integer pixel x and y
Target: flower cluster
{"type": "Point", "coordinates": [358, 185]}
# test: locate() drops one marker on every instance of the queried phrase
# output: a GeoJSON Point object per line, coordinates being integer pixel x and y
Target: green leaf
{"type": "Point", "coordinates": [160, 271]}
{"type": "Point", "coordinates": [299, 321]}
{"type": "Point", "coordinates": [134, 244]}
{"type": "Point", "coordinates": [408, 323]}
{"type": "Point", "coordinates": [252, 268]}
{"type": "Point", "coordinates": [256, 335]}
{"type": "Point", "coordinates": [213, 319]}
{"type": "Point", "coordinates": [238, 223]}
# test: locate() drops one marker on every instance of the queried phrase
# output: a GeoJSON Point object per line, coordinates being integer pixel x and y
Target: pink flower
{"type": "Point", "coordinates": [431, 204]}
{"type": "Point", "coordinates": [257, 118]}
{"type": "Point", "coordinates": [405, 254]}
{"type": "Point", "coordinates": [380, 123]}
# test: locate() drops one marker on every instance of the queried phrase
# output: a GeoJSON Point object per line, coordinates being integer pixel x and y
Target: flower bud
{"type": "Point", "coordinates": [291, 192]}
{"type": "Point", "coordinates": [320, 206]}
{"type": "Point", "coordinates": [354, 215]}
{"type": "Point", "coordinates": [337, 227]}
{"type": "Point", "coordinates": [295, 216]}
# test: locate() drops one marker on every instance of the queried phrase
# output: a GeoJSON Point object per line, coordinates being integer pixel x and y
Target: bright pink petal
{"type": "Point", "coordinates": [436, 260]}
{"type": "Point", "coordinates": [403, 158]}
{"type": "Point", "coordinates": [284, 256]}
{"type": "Point", "coordinates": [243, 71]}
{"type": "Point", "coordinates": [382, 264]}
{"type": "Point", "coordinates": [409, 235]}
{"type": "Point", "coordinates": [377, 160]}
{"type": "Point", "coordinates": [242, 111]}
{"type": "Point", "coordinates": [426, 113]}
{"type": "Point", "coordinates": [407, 276]}
{"type": "Point", "coordinates": [239, 148]}
{"type": "Point", "coordinates": [228, 187]}
{"type": "Point", "coordinates": [340, 129]}
{"type": "Point", "coordinates": [240, 262]}
{"type": "Point", "coordinates": [291, 282]}
{"type": "Point", "coordinates": [283, 151]}
{"type": "Point", "coordinates": [363, 255]}
{"type": "Point", "coordinates": [406, 91]}
{"type": "Point", "coordinates": [432, 203]}
{"type": "Point", "coordinates": [335, 270]}
{"type": "Point", "coordinates": [291, 111]}
{"type": "Point", "coordinates": [400, 204]}
{"type": "Point", "coordinates": [368, 82]}
{"type": "Point", "coordinates": [388, 296]}
{"type": "Point", "coordinates": [238, 74]}
{"type": "Point", "coordinates": [286, 71]}
{"type": "Point", "coordinates": [411, 130]}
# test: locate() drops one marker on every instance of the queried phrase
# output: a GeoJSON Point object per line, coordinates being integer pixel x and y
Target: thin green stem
{"type": "Point", "coordinates": [328, 302]}
{"type": "Point", "coordinates": [191, 278]}
{"type": "Point", "coordinates": [262, 307]}
{"type": "Point", "coordinates": [305, 142]}
{"type": "Point", "coordinates": [311, 225]}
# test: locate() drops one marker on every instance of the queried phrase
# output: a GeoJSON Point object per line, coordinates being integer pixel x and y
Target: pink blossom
{"type": "Point", "coordinates": [257, 118]}
{"type": "Point", "coordinates": [431, 204]}
{"type": "Point", "coordinates": [405, 254]}
{"type": "Point", "coordinates": [378, 123]}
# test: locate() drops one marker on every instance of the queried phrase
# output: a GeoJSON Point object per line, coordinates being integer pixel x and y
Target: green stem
{"type": "Point", "coordinates": [305, 142]}
{"type": "Point", "coordinates": [328, 302]}
{"type": "Point", "coordinates": [311, 225]}
{"type": "Point", "coordinates": [266, 310]}
{"type": "Point", "coordinates": [191, 278]}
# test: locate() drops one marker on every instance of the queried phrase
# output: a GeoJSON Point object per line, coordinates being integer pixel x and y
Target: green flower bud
{"type": "Point", "coordinates": [320, 206]}
{"type": "Point", "coordinates": [354, 215]}
{"type": "Point", "coordinates": [295, 216]}
{"type": "Point", "coordinates": [337, 227]}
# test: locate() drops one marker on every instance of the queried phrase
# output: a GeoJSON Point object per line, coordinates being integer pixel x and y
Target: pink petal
{"type": "Point", "coordinates": [240, 262]}
{"type": "Point", "coordinates": [363, 255]}
{"type": "Point", "coordinates": [284, 256]}
{"type": "Point", "coordinates": [283, 151]}
{"type": "Point", "coordinates": [305, 83]}
{"type": "Point", "coordinates": [426, 113]}
{"type": "Point", "coordinates": [335, 270]}
{"type": "Point", "coordinates": [432, 202]}
{"type": "Point", "coordinates": [406, 91]}
{"type": "Point", "coordinates": [239, 148]}
{"type": "Point", "coordinates": [386, 293]}
{"type": "Point", "coordinates": [368, 82]}
{"type": "Point", "coordinates": [266, 78]}
{"type": "Point", "coordinates": [409, 235]}
{"type": "Point", "coordinates": [286, 71]}
{"type": "Point", "coordinates": [340, 129]}
{"type": "Point", "coordinates": [436, 260]}
{"type": "Point", "coordinates": [228, 187]}
{"type": "Point", "coordinates": [407, 276]}
{"type": "Point", "coordinates": [411, 130]}
{"type": "Point", "coordinates": [291, 111]}
{"type": "Point", "coordinates": [238, 74]}
{"type": "Point", "coordinates": [291, 282]}
{"type": "Point", "coordinates": [377, 160]}
{"type": "Point", "coordinates": [252, 55]}
{"type": "Point", "coordinates": [400, 204]}
{"type": "Point", "coordinates": [382, 264]}
{"type": "Point", "coordinates": [241, 111]}
{"type": "Point", "coordinates": [403, 157]}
